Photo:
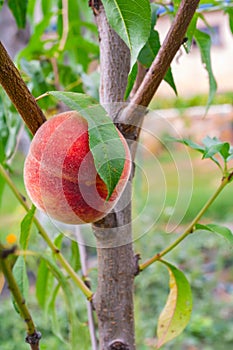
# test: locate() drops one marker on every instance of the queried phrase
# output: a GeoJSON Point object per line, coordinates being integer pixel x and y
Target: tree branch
{"type": "Point", "coordinates": [225, 181]}
{"type": "Point", "coordinates": [33, 337]}
{"type": "Point", "coordinates": [18, 92]}
{"type": "Point", "coordinates": [159, 67]}
{"type": "Point", "coordinates": [167, 52]}
{"type": "Point", "coordinates": [64, 263]}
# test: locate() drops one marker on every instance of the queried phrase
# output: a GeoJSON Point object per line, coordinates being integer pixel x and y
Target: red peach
{"type": "Point", "coordinates": [60, 176]}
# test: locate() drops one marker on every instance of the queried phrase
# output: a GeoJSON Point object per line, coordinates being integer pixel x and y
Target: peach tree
{"type": "Point", "coordinates": [96, 65]}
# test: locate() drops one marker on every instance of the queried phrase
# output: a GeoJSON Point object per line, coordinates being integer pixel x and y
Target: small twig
{"type": "Point", "coordinates": [4, 253]}
{"type": "Point", "coordinates": [189, 229]}
{"type": "Point", "coordinates": [33, 336]}
{"type": "Point", "coordinates": [42, 96]}
{"type": "Point", "coordinates": [65, 20]}
{"type": "Point", "coordinates": [55, 72]}
{"type": "Point", "coordinates": [64, 263]}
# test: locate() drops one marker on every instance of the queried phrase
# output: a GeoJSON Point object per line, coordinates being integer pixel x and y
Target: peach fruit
{"type": "Point", "coordinates": [60, 176]}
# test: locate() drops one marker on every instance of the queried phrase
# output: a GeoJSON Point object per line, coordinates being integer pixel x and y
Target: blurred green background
{"type": "Point", "coordinates": [204, 257]}
{"type": "Point", "coordinates": [163, 174]}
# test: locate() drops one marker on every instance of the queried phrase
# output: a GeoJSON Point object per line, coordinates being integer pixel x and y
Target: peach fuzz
{"type": "Point", "coordinates": [60, 176]}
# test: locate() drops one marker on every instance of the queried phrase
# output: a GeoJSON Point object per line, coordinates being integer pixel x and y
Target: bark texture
{"type": "Point", "coordinates": [114, 65]}
{"type": "Point", "coordinates": [18, 92]}
{"type": "Point", "coordinates": [116, 268]}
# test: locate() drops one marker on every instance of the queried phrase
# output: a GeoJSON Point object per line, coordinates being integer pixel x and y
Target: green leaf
{"type": "Point", "coordinates": [188, 143]}
{"type": "Point", "coordinates": [210, 141]}
{"type": "Point", "coordinates": [1, 3]}
{"type": "Point", "coordinates": [211, 147]}
{"type": "Point", "coordinates": [230, 14]}
{"type": "Point", "coordinates": [21, 278]}
{"type": "Point", "coordinates": [132, 22]}
{"type": "Point", "coordinates": [176, 4]}
{"type": "Point", "coordinates": [75, 256]}
{"type": "Point", "coordinates": [170, 80]}
{"type": "Point", "coordinates": [38, 79]}
{"type": "Point", "coordinates": [46, 6]}
{"type": "Point", "coordinates": [223, 149]}
{"type": "Point", "coordinates": [204, 43]}
{"type": "Point", "coordinates": [36, 44]}
{"type": "Point", "coordinates": [19, 11]}
{"type": "Point", "coordinates": [214, 146]}
{"type": "Point", "coordinates": [52, 311]}
{"type": "Point", "coordinates": [220, 230]}
{"type": "Point", "coordinates": [10, 124]}
{"type": "Point", "coordinates": [58, 240]}
{"type": "Point", "coordinates": [44, 284]}
{"type": "Point", "coordinates": [150, 50]}
{"type": "Point", "coordinates": [177, 311]}
{"type": "Point", "coordinates": [54, 268]}
{"type": "Point", "coordinates": [78, 331]}
{"type": "Point", "coordinates": [104, 141]}
{"type": "Point", "coordinates": [76, 101]}
{"type": "Point", "coordinates": [26, 226]}
{"type": "Point", "coordinates": [190, 33]}
{"type": "Point", "coordinates": [131, 79]}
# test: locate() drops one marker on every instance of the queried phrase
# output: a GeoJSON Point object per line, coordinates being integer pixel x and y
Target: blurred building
{"type": "Point", "coordinates": [189, 73]}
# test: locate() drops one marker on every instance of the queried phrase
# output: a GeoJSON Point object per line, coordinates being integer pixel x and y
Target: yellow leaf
{"type": "Point", "coordinates": [177, 311]}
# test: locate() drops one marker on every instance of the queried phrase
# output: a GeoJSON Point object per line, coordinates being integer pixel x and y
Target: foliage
{"type": "Point", "coordinates": [63, 54]}
{"type": "Point", "coordinates": [209, 273]}
{"type": "Point", "coordinates": [177, 311]}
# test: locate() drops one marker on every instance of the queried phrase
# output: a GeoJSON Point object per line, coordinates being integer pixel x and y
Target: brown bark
{"type": "Point", "coordinates": [114, 297]}
{"type": "Point", "coordinates": [18, 92]}
{"type": "Point", "coordinates": [116, 262]}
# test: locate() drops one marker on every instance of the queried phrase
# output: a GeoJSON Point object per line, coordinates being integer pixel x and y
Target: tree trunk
{"type": "Point", "coordinates": [116, 264]}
